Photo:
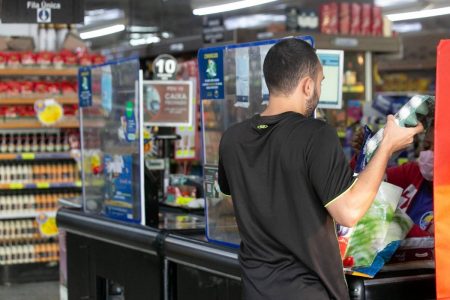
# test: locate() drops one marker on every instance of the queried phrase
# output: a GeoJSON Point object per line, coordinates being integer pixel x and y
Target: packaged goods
{"type": "Point", "coordinates": [366, 19]}
{"type": "Point", "coordinates": [13, 60]}
{"type": "Point", "coordinates": [416, 110]}
{"type": "Point", "coordinates": [344, 18]}
{"type": "Point", "coordinates": [44, 59]}
{"type": "Point", "coordinates": [355, 26]}
{"type": "Point", "coordinates": [28, 58]}
{"type": "Point", "coordinates": [377, 21]}
{"type": "Point", "coordinates": [329, 18]}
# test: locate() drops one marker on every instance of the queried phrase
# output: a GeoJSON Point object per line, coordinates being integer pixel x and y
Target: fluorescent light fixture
{"type": "Point", "coordinates": [145, 41]}
{"type": "Point", "coordinates": [143, 28]}
{"type": "Point", "coordinates": [407, 27]}
{"type": "Point", "coordinates": [208, 10]}
{"type": "Point", "coordinates": [253, 21]}
{"type": "Point", "coordinates": [426, 13]}
{"type": "Point", "coordinates": [102, 31]}
{"type": "Point", "coordinates": [99, 15]}
{"type": "Point", "coordinates": [392, 3]}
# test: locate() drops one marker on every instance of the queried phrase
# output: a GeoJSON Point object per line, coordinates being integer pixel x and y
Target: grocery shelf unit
{"type": "Point", "coordinates": [25, 254]}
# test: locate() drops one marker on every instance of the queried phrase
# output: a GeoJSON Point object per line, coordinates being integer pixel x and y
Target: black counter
{"type": "Point", "coordinates": [180, 264]}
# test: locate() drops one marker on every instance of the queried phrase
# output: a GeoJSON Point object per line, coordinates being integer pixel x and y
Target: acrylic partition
{"type": "Point", "coordinates": [232, 89]}
{"type": "Point", "coordinates": [112, 146]}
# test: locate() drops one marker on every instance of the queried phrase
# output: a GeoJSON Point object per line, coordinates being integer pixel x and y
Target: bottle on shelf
{"type": "Point", "coordinates": [4, 145]}
{"type": "Point", "coordinates": [35, 145]}
{"type": "Point", "coordinates": [51, 38]}
{"type": "Point", "coordinates": [42, 38]}
{"type": "Point", "coordinates": [27, 145]}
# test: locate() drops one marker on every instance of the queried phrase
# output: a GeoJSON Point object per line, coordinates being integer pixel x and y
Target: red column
{"type": "Point", "coordinates": [442, 171]}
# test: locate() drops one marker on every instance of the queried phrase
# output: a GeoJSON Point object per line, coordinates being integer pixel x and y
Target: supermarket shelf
{"type": "Point", "coordinates": [328, 41]}
{"type": "Point", "coordinates": [25, 215]}
{"type": "Point", "coordinates": [38, 238]}
{"type": "Point", "coordinates": [415, 65]}
{"type": "Point", "coordinates": [38, 72]}
{"type": "Point", "coordinates": [39, 185]}
{"type": "Point", "coordinates": [72, 99]}
{"type": "Point", "coordinates": [36, 156]}
{"type": "Point", "coordinates": [47, 261]}
{"type": "Point", "coordinates": [67, 122]}
{"type": "Point", "coordinates": [405, 93]}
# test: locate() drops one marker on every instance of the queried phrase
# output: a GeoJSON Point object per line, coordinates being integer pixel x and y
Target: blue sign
{"type": "Point", "coordinates": [84, 87]}
{"type": "Point", "coordinates": [118, 189]}
{"type": "Point", "coordinates": [210, 63]}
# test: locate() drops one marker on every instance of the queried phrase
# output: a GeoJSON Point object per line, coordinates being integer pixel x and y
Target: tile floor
{"type": "Point", "coordinates": [31, 291]}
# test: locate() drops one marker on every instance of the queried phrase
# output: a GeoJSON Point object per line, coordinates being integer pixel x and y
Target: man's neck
{"type": "Point", "coordinates": [281, 104]}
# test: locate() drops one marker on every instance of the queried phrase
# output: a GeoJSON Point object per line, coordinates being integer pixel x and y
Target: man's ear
{"type": "Point", "coordinates": [306, 86]}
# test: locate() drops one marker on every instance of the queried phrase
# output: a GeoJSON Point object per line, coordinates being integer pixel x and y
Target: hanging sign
{"type": "Point", "coordinates": [50, 11]}
{"type": "Point", "coordinates": [168, 103]}
{"type": "Point", "coordinates": [84, 87]}
{"type": "Point", "coordinates": [164, 67]}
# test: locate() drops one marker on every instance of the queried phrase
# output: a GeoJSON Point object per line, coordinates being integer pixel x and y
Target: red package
{"type": "Point", "coordinates": [40, 87]}
{"type": "Point", "coordinates": [355, 25]}
{"type": "Point", "coordinates": [53, 88]}
{"type": "Point", "coordinates": [377, 21]}
{"type": "Point", "coordinates": [70, 59]}
{"type": "Point", "coordinates": [344, 18]}
{"type": "Point", "coordinates": [58, 60]}
{"type": "Point", "coordinates": [98, 59]}
{"type": "Point", "coordinates": [366, 19]}
{"type": "Point", "coordinates": [44, 58]}
{"type": "Point", "coordinates": [329, 18]}
{"type": "Point", "coordinates": [26, 87]}
{"type": "Point", "coordinates": [3, 59]}
{"type": "Point", "coordinates": [67, 88]}
{"type": "Point", "coordinates": [28, 58]}
{"type": "Point", "coordinates": [13, 59]}
{"type": "Point", "coordinates": [13, 88]}
{"type": "Point", "coordinates": [3, 88]}
{"type": "Point", "coordinates": [85, 60]}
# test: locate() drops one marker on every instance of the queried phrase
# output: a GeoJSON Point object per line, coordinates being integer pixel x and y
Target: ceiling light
{"type": "Point", "coordinates": [143, 28]}
{"type": "Point", "coordinates": [407, 27]}
{"type": "Point", "coordinates": [102, 31]}
{"type": "Point", "coordinates": [426, 13]}
{"type": "Point", "coordinates": [391, 3]}
{"type": "Point", "coordinates": [228, 7]}
{"type": "Point", "coordinates": [253, 21]}
{"type": "Point", "coordinates": [145, 41]}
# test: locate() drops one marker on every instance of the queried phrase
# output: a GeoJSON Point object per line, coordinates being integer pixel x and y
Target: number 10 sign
{"type": "Point", "coordinates": [164, 67]}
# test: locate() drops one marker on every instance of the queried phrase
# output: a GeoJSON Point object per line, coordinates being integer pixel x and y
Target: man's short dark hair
{"type": "Point", "coordinates": [287, 62]}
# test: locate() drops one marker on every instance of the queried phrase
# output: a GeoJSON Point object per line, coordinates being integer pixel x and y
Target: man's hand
{"type": "Point", "coordinates": [396, 138]}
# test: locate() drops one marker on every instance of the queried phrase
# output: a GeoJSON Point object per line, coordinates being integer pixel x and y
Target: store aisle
{"type": "Point", "coordinates": [36, 291]}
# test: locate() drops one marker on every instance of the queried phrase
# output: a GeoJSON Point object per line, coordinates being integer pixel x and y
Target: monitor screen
{"type": "Point", "coordinates": [333, 70]}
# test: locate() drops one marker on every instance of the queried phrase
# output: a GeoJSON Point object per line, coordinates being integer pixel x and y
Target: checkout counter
{"type": "Point", "coordinates": [170, 263]}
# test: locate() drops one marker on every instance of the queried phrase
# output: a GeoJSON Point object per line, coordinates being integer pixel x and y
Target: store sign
{"type": "Point", "coordinates": [213, 29]}
{"type": "Point", "coordinates": [210, 65]}
{"type": "Point", "coordinates": [168, 103]}
{"type": "Point", "coordinates": [84, 87]}
{"type": "Point", "coordinates": [50, 11]}
{"type": "Point", "coordinates": [164, 67]}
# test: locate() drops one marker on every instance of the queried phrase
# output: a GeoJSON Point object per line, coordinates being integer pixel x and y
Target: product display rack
{"type": "Point", "coordinates": [34, 182]}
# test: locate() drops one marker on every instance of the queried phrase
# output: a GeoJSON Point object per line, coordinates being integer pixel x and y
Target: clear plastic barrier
{"type": "Point", "coordinates": [112, 157]}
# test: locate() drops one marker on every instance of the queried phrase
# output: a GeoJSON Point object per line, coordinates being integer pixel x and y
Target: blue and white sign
{"type": "Point", "coordinates": [44, 15]}
{"type": "Point", "coordinates": [84, 87]}
{"type": "Point", "coordinates": [210, 63]}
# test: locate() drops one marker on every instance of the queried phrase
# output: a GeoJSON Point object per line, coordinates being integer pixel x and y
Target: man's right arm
{"type": "Point", "coordinates": [352, 204]}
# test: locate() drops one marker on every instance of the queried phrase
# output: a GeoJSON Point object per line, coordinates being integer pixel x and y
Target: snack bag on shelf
{"type": "Point", "coordinates": [44, 59]}
{"type": "Point", "coordinates": [355, 26]}
{"type": "Point", "coordinates": [28, 58]}
{"type": "Point", "coordinates": [366, 19]}
{"type": "Point", "coordinates": [13, 59]}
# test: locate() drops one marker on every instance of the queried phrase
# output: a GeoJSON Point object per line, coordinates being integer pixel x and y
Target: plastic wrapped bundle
{"type": "Point", "coordinates": [419, 108]}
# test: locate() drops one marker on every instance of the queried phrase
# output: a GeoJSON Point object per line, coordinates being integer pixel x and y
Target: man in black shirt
{"type": "Point", "coordinates": [289, 179]}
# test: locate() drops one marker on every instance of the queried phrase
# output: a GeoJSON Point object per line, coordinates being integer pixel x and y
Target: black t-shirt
{"type": "Point", "coordinates": [281, 172]}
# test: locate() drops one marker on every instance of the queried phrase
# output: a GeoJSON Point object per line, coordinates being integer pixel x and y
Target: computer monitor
{"type": "Point", "coordinates": [333, 70]}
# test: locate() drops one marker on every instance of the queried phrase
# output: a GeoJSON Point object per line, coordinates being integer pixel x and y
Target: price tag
{"type": "Point", "coordinates": [28, 156]}
{"type": "Point", "coordinates": [16, 186]}
{"type": "Point", "coordinates": [164, 67]}
{"type": "Point", "coordinates": [42, 185]}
